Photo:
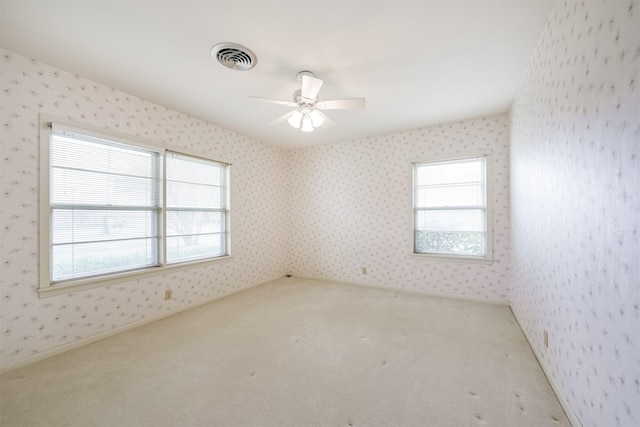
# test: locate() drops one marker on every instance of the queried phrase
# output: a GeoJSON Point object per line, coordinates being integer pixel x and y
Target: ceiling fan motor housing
{"type": "Point", "coordinates": [302, 101]}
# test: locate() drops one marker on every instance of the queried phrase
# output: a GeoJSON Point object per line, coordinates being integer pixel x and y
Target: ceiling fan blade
{"type": "Point", "coordinates": [273, 101]}
{"type": "Point", "coordinates": [342, 104]}
{"type": "Point", "coordinates": [282, 118]}
{"type": "Point", "coordinates": [310, 87]}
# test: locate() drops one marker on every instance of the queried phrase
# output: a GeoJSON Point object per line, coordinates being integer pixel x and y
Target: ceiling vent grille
{"type": "Point", "coordinates": [234, 56]}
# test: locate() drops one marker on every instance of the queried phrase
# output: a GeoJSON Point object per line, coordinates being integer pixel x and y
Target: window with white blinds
{"type": "Point", "coordinates": [450, 208]}
{"type": "Point", "coordinates": [117, 207]}
{"type": "Point", "coordinates": [196, 208]}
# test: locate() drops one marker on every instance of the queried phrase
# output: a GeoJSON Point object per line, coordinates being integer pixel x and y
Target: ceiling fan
{"type": "Point", "coordinates": [307, 115]}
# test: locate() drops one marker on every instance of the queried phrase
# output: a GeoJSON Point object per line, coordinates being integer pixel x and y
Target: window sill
{"type": "Point", "coordinates": [452, 258]}
{"type": "Point", "coordinates": [114, 279]}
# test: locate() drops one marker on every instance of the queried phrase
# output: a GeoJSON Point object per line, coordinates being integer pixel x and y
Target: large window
{"type": "Point", "coordinates": [116, 207]}
{"type": "Point", "coordinates": [105, 203]}
{"type": "Point", "coordinates": [450, 212]}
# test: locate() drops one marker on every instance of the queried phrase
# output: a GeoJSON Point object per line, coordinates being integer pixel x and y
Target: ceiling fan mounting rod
{"type": "Point", "coordinates": [304, 73]}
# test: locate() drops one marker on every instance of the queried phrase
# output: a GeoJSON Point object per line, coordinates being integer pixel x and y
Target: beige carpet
{"type": "Point", "coordinates": [297, 353]}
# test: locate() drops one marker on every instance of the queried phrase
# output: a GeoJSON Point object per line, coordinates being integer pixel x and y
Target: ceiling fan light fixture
{"type": "Point", "coordinates": [317, 119]}
{"type": "Point", "coordinates": [295, 119]}
{"type": "Point", "coordinates": [307, 124]}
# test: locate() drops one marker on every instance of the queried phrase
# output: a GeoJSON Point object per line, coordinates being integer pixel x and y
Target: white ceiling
{"type": "Point", "coordinates": [417, 63]}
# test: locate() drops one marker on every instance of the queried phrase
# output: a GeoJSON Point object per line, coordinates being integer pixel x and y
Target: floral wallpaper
{"type": "Point", "coordinates": [258, 196]}
{"type": "Point", "coordinates": [353, 210]}
{"type": "Point", "coordinates": [323, 212]}
{"type": "Point", "coordinates": [575, 158]}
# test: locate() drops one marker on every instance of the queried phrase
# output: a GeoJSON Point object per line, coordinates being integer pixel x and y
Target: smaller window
{"type": "Point", "coordinates": [196, 208]}
{"type": "Point", "coordinates": [450, 208]}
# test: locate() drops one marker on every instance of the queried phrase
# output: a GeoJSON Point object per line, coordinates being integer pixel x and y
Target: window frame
{"type": "Point", "coordinates": [488, 257]}
{"type": "Point", "coordinates": [46, 286]}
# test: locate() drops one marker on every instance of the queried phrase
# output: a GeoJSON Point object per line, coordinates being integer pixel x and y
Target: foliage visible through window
{"type": "Point", "coordinates": [106, 207]}
{"type": "Point", "coordinates": [450, 212]}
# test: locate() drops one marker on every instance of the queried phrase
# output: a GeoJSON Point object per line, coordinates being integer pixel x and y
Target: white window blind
{"type": "Point", "coordinates": [104, 202]}
{"type": "Point", "coordinates": [450, 208]}
{"type": "Point", "coordinates": [196, 208]}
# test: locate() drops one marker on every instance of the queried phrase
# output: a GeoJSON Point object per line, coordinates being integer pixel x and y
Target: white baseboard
{"type": "Point", "coordinates": [411, 291]}
{"type": "Point", "coordinates": [568, 410]}
{"type": "Point", "coordinates": [21, 363]}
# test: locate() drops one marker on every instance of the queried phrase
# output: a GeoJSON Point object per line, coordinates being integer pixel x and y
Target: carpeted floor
{"type": "Point", "coordinates": [297, 352]}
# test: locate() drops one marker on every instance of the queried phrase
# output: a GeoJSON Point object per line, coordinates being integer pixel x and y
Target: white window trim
{"type": "Point", "coordinates": [488, 258]}
{"type": "Point", "coordinates": [46, 288]}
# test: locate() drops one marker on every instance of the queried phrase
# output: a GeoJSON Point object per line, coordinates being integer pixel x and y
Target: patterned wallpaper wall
{"type": "Point", "coordinates": [353, 209]}
{"type": "Point", "coordinates": [576, 207]}
{"type": "Point", "coordinates": [324, 211]}
{"type": "Point", "coordinates": [258, 197]}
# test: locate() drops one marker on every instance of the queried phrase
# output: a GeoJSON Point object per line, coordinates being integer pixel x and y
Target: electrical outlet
{"type": "Point", "coordinates": [546, 339]}
{"type": "Point", "coordinates": [364, 270]}
{"type": "Point", "coordinates": [168, 294]}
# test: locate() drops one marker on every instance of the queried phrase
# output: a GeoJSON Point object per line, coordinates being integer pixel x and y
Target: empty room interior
{"type": "Point", "coordinates": [320, 213]}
